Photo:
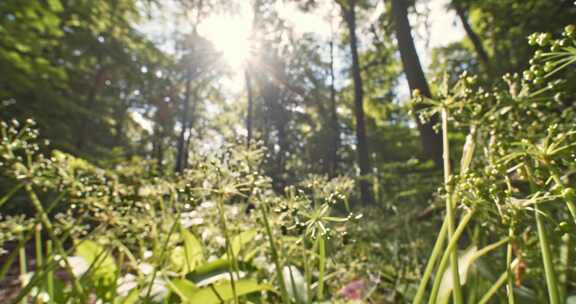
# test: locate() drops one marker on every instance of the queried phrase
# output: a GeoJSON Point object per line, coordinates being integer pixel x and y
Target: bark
{"type": "Point", "coordinates": [181, 153]}
{"type": "Point", "coordinates": [361, 142]}
{"type": "Point", "coordinates": [335, 131]}
{"type": "Point", "coordinates": [431, 140]}
{"type": "Point", "coordinates": [473, 36]}
{"type": "Point", "coordinates": [250, 97]}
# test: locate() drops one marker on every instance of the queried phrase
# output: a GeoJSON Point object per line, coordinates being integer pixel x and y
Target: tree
{"type": "Point", "coordinates": [431, 140]}
{"type": "Point", "coordinates": [349, 12]}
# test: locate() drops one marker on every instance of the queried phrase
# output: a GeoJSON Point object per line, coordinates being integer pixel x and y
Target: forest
{"type": "Point", "coordinates": [288, 151]}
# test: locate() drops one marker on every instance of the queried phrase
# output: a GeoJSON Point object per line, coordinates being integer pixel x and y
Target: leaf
{"type": "Point", "coordinates": [131, 298]}
{"type": "Point", "coordinates": [240, 240]}
{"type": "Point", "coordinates": [183, 288]}
{"type": "Point", "coordinates": [214, 271]}
{"type": "Point", "coordinates": [295, 284]}
{"type": "Point", "coordinates": [571, 300]}
{"type": "Point", "coordinates": [192, 250]}
{"type": "Point", "coordinates": [465, 260]}
{"type": "Point", "coordinates": [223, 292]}
{"type": "Point", "coordinates": [55, 5]}
{"type": "Point", "coordinates": [102, 264]}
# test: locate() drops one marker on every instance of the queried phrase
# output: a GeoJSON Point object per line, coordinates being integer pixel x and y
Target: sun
{"type": "Point", "coordinates": [230, 35]}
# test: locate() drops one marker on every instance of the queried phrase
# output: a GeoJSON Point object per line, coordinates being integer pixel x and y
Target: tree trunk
{"type": "Point", "coordinates": [473, 36]}
{"type": "Point", "coordinates": [431, 140]}
{"type": "Point", "coordinates": [361, 142]}
{"type": "Point", "coordinates": [335, 131]}
{"type": "Point", "coordinates": [181, 153]}
{"type": "Point", "coordinates": [249, 108]}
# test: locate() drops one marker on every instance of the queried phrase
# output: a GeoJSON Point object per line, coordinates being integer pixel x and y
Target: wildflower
{"type": "Point", "coordinates": [352, 290]}
{"type": "Point", "coordinates": [126, 284]}
{"type": "Point", "coordinates": [191, 218]}
{"type": "Point", "coordinates": [78, 264]}
{"type": "Point", "coordinates": [146, 268]}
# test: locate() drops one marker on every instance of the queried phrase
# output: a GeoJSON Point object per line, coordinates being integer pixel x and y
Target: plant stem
{"type": "Point", "coordinates": [419, 298]}
{"type": "Point", "coordinates": [450, 208]}
{"type": "Point", "coordinates": [23, 268]}
{"type": "Point", "coordinates": [567, 261]}
{"type": "Point", "coordinates": [162, 256]}
{"type": "Point", "coordinates": [49, 274]}
{"type": "Point", "coordinates": [43, 216]}
{"type": "Point", "coordinates": [492, 291]}
{"type": "Point", "coordinates": [447, 254]}
{"type": "Point", "coordinates": [230, 253]}
{"type": "Point", "coordinates": [321, 266]}
{"type": "Point", "coordinates": [275, 257]}
{"type": "Point", "coordinates": [551, 282]}
{"type": "Point", "coordinates": [569, 201]}
{"type": "Point", "coordinates": [509, 274]}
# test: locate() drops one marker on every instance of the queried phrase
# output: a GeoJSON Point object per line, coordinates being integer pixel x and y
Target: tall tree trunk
{"type": "Point", "coordinates": [181, 153]}
{"type": "Point", "coordinates": [361, 142]}
{"type": "Point", "coordinates": [195, 100]}
{"type": "Point", "coordinates": [473, 36]}
{"type": "Point", "coordinates": [335, 131]}
{"type": "Point", "coordinates": [431, 140]}
{"type": "Point", "coordinates": [249, 108]}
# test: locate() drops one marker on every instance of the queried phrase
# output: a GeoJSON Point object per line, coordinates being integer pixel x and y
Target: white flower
{"type": "Point", "coordinates": [43, 297]}
{"type": "Point", "coordinates": [206, 234]}
{"type": "Point", "coordinates": [191, 218]}
{"type": "Point", "coordinates": [126, 284]}
{"type": "Point", "coordinates": [233, 211]}
{"type": "Point", "coordinates": [25, 278]}
{"type": "Point", "coordinates": [207, 205]}
{"type": "Point", "coordinates": [146, 268]}
{"type": "Point", "coordinates": [147, 254]}
{"type": "Point", "coordinates": [220, 241]}
{"type": "Point", "coordinates": [78, 264]}
{"type": "Point", "coordinates": [158, 290]}
{"type": "Point", "coordinates": [260, 261]}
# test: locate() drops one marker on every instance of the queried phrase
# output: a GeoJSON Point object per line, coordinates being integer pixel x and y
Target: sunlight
{"type": "Point", "coordinates": [230, 35]}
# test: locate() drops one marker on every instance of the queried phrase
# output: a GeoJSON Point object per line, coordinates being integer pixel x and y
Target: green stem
{"type": "Point", "coordinates": [567, 261]}
{"type": "Point", "coordinates": [162, 257]}
{"type": "Point", "coordinates": [49, 274]}
{"type": "Point", "coordinates": [321, 266]}
{"type": "Point", "coordinates": [551, 282]}
{"type": "Point", "coordinates": [569, 199]}
{"type": "Point", "coordinates": [43, 216]}
{"type": "Point", "coordinates": [231, 256]}
{"type": "Point", "coordinates": [275, 257]}
{"type": "Point", "coordinates": [419, 298]}
{"type": "Point", "coordinates": [509, 274]}
{"type": "Point", "coordinates": [447, 254]}
{"type": "Point", "coordinates": [23, 268]}
{"type": "Point", "coordinates": [307, 273]}
{"type": "Point", "coordinates": [450, 208]}
{"type": "Point", "coordinates": [494, 288]}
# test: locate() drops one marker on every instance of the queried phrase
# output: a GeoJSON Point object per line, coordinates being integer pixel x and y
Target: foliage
{"type": "Point", "coordinates": [210, 234]}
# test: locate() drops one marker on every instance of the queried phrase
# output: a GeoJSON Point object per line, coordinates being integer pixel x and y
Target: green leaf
{"type": "Point", "coordinates": [223, 292]}
{"type": "Point", "coordinates": [239, 241]}
{"type": "Point", "coordinates": [102, 264]}
{"type": "Point", "coordinates": [131, 298]}
{"type": "Point", "coordinates": [295, 284]}
{"type": "Point", "coordinates": [183, 288]}
{"type": "Point", "coordinates": [192, 250]}
{"type": "Point", "coordinates": [55, 5]}
{"type": "Point", "coordinates": [214, 271]}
